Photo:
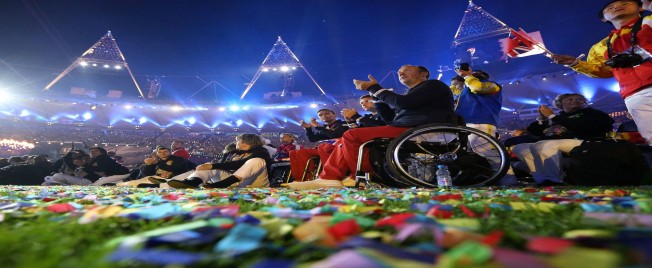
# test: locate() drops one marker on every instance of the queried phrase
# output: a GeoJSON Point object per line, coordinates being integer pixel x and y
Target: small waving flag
{"type": "Point", "coordinates": [522, 44]}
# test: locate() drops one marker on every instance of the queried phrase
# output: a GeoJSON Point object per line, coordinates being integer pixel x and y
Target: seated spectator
{"type": "Point", "coordinates": [227, 154]}
{"type": "Point", "coordinates": [560, 133]}
{"type": "Point", "coordinates": [178, 150]}
{"type": "Point", "coordinates": [373, 119]}
{"type": "Point", "coordinates": [426, 101]}
{"type": "Point", "coordinates": [282, 152]}
{"type": "Point", "coordinates": [65, 164]}
{"type": "Point", "coordinates": [327, 134]}
{"type": "Point", "coordinates": [82, 175]}
{"type": "Point", "coordinates": [16, 160]}
{"type": "Point", "coordinates": [268, 146]}
{"type": "Point", "coordinates": [163, 165]}
{"type": "Point", "coordinates": [247, 168]}
{"type": "Point", "coordinates": [28, 174]}
{"type": "Point", "coordinates": [107, 168]}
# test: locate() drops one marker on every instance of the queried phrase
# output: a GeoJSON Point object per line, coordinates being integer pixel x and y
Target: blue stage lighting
{"type": "Point", "coordinates": [239, 122]}
{"type": "Point", "coordinates": [142, 120]}
{"type": "Point", "coordinates": [234, 108]}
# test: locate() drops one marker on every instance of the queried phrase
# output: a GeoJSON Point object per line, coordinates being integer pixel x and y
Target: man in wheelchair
{"type": "Point", "coordinates": [426, 101]}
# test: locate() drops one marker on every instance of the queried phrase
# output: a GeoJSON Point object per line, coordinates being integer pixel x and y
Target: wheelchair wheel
{"type": "Point", "coordinates": [473, 157]}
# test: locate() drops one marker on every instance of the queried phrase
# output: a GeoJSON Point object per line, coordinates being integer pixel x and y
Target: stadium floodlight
{"type": "Point", "coordinates": [87, 115]}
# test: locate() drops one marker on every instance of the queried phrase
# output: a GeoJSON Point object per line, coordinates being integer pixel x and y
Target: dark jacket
{"type": "Point", "coordinates": [371, 120]}
{"type": "Point", "coordinates": [332, 131]}
{"type": "Point", "coordinates": [25, 174]}
{"type": "Point", "coordinates": [428, 102]}
{"type": "Point", "coordinates": [168, 168]}
{"type": "Point", "coordinates": [255, 152]}
{"type": "Point", "coordinates": [585, 123]}
{"type": "Point", "coordinates": [104, 165]}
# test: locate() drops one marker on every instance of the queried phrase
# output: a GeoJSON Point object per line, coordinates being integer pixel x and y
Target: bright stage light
{"type": "Point", "coordinates": [239, 122]}
{"type": "Point", "coordinates": [106, 66]}
{"type": "Point", "coordinates": [94, 64]}
{"type": "Point", "coordinates": [313, 105]}
{"type": "Point", "coordinates": [128, 107]}
{"type": "Point", "coordinates": [285, 68]}
{"type": "Point", "coordinates": [294, 68]}
{"type": "Point", "coordinates": [118, 67]}
{"type": "Point", "coordinates": [265, 69]}
{"type": "Point", "coordinates": [615, 87]}
{"type": "Point", "coordinates": [142, 120]}
{"type": "Point", "coordinates": [24, 113]}
{"type": "Point", "coordinates": [221, 109]}
{"type": "Point", "coordinates": [234, 108]}
{"type": "Point", "coordinates": [245, 108]}
{"type": "Point", "coordinates": [83, 63]}
{"type": "Point", "coordinates": [176, 108]}
{"type": "Point", "coordinates": [87, 115]}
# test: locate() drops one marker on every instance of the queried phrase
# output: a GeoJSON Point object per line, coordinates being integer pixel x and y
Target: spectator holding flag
{"type": "Point", "coordinates": [625, 54]}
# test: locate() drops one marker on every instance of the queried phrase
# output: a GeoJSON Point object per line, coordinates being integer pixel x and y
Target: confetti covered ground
{"type": "Point", "coordinates": [482, 227]}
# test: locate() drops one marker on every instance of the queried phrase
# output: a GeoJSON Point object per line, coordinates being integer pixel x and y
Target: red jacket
{"type": "Point", "coordinates": [631, 79]}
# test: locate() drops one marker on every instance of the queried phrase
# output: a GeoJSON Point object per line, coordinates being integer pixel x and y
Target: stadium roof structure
{"type": "Point", "coordinates": [478, 24]}
{"type": "Point", "coordinates": [104, 53]}
{"type": "Point", "coordinates": [280, 58]}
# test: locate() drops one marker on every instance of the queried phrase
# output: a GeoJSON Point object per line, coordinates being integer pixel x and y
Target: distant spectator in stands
{"type": "Point", "coordinates": [179, 150]}
{"type": "Point", "coordinates": [28, 174]}
{"type": "Point", "coordinates": [248, 168]}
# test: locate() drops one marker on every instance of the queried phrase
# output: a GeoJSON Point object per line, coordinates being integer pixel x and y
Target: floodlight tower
{"type": "Point", "coordinates": [280, 59]}
{"type": "Point", "coordinates": [105, 54]}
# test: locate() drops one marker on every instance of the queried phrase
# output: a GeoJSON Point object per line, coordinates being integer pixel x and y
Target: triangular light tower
{"type": "Point", "coordinates": [106, 54]}
{"type": "Point", "coordinates": [478, 24]}
{"type": "Point", "coordinates": [280, 59]}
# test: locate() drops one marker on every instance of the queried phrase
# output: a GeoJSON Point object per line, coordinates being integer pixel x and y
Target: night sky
{"type": "Point", "coordinates": [187, 44]}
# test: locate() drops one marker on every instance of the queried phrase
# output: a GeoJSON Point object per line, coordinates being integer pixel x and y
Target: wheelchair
{"type": "Point", "coordinates": [474, 158]}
